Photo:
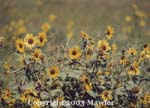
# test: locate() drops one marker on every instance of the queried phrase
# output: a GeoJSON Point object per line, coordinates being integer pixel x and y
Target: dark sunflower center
{"type": "Point", "coordinates": [106, 94]}
{"type": "Point", "coordinates": [52, 71]}
{"type": "Point", "coordinates": [74, 52]}
{"type": "Point", "coordinates": [30, 41]}
{"type": "Point", "coordinates": [41, 39]}
{"type": "Point", "coordinates": [8, 94]}
{"type": "Point", "coordinates": [103, 47]}
{"type": "Point", "coordinates": [132, 53]}
{"type": "Point", "coordinates": [89, 52]}
{"type": "Point", "coordinates": [145, 46]}
{"type": "Point", "coordinates": [36, 55]}
{"type": "Point", "coordinates": [123, 57]}
{"type": "Point", "coordinates": [132, 68]}
{"type": "Point", "coordinates": [20, 45]}
{"type": "Point", "coordinates": [108, 32]}
{"type": "Point", "coordinates": [86, 80]}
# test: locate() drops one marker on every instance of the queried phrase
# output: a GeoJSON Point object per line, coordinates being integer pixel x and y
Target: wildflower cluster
{"type": "Point", "coordinates": [95, 70]}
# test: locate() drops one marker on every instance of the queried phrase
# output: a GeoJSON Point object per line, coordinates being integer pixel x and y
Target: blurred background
{"type": "Point", "coordinates": [130, 18]}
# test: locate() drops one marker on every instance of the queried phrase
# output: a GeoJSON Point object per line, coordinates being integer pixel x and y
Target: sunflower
{"type": "Point", "coordinates": [20, 46]}
{"type": "Point", "coordinates": [132, 105]}
{"type": "Point", "coordinates": [148, 54]}
{"type": "Point", "coordinates": [60, 98]}
{"type": "Point", "coordinates": [53, 72]}
{"type": "Point", "coordinates": [109, 32]}
{"type": "Point", "coordinates": [42, 39]}
{"type": "Point", "coordinates": [35, 99]}
{"type": "Point", "coordinates": [146, 99]}
{"type": "Point", "coordinates": [123, 60]}
{"type": "Point", "coordinates": [107, 72]}
{"type": "Point", "coordinates": [45, 27]}
{"type": "Point", "coordinates": [89, 51]}
{"type": "Point", "coordinates": [106, 95]}
{"type": "Point", "coordinates": [135, 64]}
{"type": "Point", "coordinates": [37, 55]}
{"type": "Point", "coordinates": [88, 86]}
{"type": "Point", "coordinates": [142, 23]}
{"type": "Point", "coordinates": [12, 102]}
{"type": "Point", "coordinates": [102, 81]}
{"type": "Point", "coordinates": [132, 51]}
{"type": "Point", "coordinates": [133, 70]}
{"type": "Point", "coordinates": [128, 19]}
{"type": "Point", "coordinates": [30, 41]}
{"type": "Point", "coordinates": [6, 94]}
{"type": "Point", "coordinates": [84, 78]}
{"type": "Point", "coordinates": [23, 98]}
{"type": "Point", "coordinates": [141, 57]}
{"type": "Point", "coordinates": [145, 53]}
{"type": "Point", "coordinates": [29, 92]}
{"type": "Point", "coordinates": [74, 53]}
{"type": "Point", "coordinates": [103, 45]}
{"type": "Point", "coordinates": [84, 35]}
{"type": "Point", "coordinates": [145, 47]}
{"type": "Point", "coordinates": [52, 18]}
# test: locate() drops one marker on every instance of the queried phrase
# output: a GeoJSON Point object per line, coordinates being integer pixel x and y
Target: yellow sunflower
{"type": "Point", "coordinates": [23, 98]}
{"type": "Point", "coordinates": [42, 39]}
{"type": "Point", "coordinates": [74, 53]}
{"type": "Point", "coordinates": [53, 72]}
{"type": "Point", "coordinates": [132, 51]}
{"type": "Point", "coordinates": [89, 51]}
{"type": "Point", "coordinates": [6, 94]}
{"type": "Point", "coordinates": [128, 19]}
{"type": "Point", "coordinates": [45, 27]}
{"type": "Point", "coordinates": [123, 60]}
{"type": "Point", "coordinates": [145, 47]}
{"type": "Point", "coordinates": [142, 23]}
{"type": "Point", "coordinates": [84, 35]}
{"type": "Point", "coordinates": [37, 55]}
{"type": "Point", "coordinates": [107, 72]}
{"type": "Point", "coordinates": [103, 45]}
{"type": "Point", "coordinates": [28, 92]}
{"type": "Point", "coordinates": [109, 32]}
{"type": "Point", "coordinates": [133, 70]}
{"type": "Point", "coordinates": [52, 18]}
{"type": "Point", "coordinates": [60, 98]}
{"type": "Point", "coordinates": [132, 105]}
{"type": "Point", "coordinates": [84, 78]}
{"type": "Point", "coordinates": [88, 86]}
{"type": "Point", "coordinates": [106, 95]}
{"type": "Point", "coordinates": [146, 98]}
{"type": "Point", "coordinates": [20, 46]}
{"type": "Point", "coordinates": [30, 41]}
